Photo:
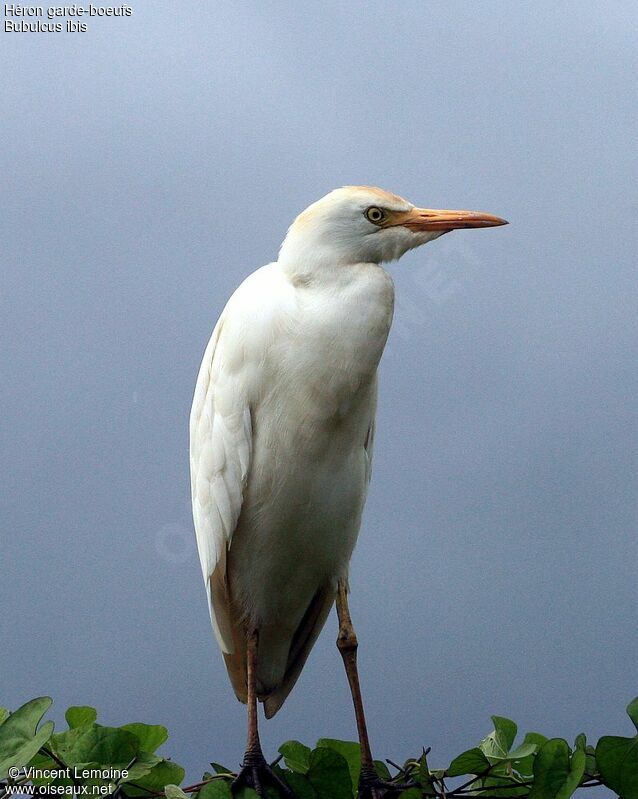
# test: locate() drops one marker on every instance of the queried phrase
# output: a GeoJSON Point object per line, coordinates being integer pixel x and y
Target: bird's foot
{"type": "Point", "coordinates": [255, 772]}
{"type": "Point", "coordinates": [371, 786]}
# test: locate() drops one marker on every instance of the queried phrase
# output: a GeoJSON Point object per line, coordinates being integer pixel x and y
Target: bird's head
{"type": "Point", "coordinates": [363, 224]}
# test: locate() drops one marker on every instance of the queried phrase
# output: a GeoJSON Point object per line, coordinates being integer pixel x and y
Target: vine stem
{"type": "Point", "coordinates": [464, 791]}
{"type": "Point", "coordinates": [45, 750]}
{"type": "Point", "coordinates": [196, 786]}
{"type": "Point", "coordinates": [480, 776]}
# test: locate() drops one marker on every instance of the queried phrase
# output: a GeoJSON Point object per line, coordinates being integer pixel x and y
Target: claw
{"type": "Point", "coordinates": [254, 772]}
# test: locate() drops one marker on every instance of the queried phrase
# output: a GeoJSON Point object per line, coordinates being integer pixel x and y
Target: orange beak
{"type": "Point", "coordinates": [423, 219]}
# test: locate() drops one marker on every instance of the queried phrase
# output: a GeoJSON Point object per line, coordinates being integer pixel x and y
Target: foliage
{"type": "Point", "coordinates": [90, 759]}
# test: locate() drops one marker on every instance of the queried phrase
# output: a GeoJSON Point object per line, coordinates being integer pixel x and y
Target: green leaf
{"type": "Point", "coordinates": [590, 761]}
{"type": "Point", "coordinates": [505, 731]}
{"type": "Point", "coordinates": [382, 770]}
{"type": "Point", "coordinates": [217, 789]}
{"type": "Point", "coordinates": [617, 760]}
{"type": "Point", "coordinates": [26, 750]}
{"type": "Point", "coordinates": [20, 739]}
{"type": "Point", "coordinates": [350, 752]}
{"type": "Point", "coordinates": [143, 764]}
{"type": "Point", "coordinates": [590, 753]}
{"type": "Point", "coordinates": [4, 714]}
{"type": "Point", "coordinates": [219, 769]}
{"type": "Point", "coordinates": [473, 761]}
{"type": "Point", "coordinates": [150, 736]}
{"type": "Point", "coordinates": [424, 775]}
{"type": "Point", "coordinates": [411, 793]}
{"type": "Point", "coordinates": [93, 743]}
{"type": "Point", "coordinates": [24, 721]}
{"type": "Point", "coordinates": [78, 715]}
{"type": "Point", "coordinates": [576, 772]}
{"type": "Point", "coordinates": [523, 751]}
{"type": "Point", "coordinates": [174, 792]}
{"type": "Point", "coordinates": [497, 744]}
{"type": "Point", "coordinates": [164, 773]}
{"type": "Point", "coordinates": [296, 756]}
{"type": "Point", "coordinates": [525, 765]}
{"type": "Point", "coordinates": [329, 774]}
{"type": "Point", "coordinates": [300, 785]}
{"type": "Point", "coordinates": [556, 775]}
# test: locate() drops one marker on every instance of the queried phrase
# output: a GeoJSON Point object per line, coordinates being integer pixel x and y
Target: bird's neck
{"type": "Point", "coordinates": [307, 257]}
{"type": "Point", "coordinates": [317, 267]}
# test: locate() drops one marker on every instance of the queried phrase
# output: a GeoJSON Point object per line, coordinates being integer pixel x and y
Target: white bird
{"type": "Point", "coordinates": [281, 434]}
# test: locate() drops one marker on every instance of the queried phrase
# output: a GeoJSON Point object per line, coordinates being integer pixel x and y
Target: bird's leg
{"type": "Point", "coordinates": [370, 784]}
{"type": "Point", "coordinates": [253, 745]}
{"type": "Point", "coordinates": [254, 769]}
{"type": "Point", "coordinates": [347, 644]}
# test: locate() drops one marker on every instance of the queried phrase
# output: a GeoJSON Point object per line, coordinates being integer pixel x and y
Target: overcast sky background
{"type": "Point", "coordinates": [152, 162]}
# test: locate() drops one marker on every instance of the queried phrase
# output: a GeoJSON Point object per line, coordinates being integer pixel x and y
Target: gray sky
{"type": "Point", "coordinates": [147, 166]}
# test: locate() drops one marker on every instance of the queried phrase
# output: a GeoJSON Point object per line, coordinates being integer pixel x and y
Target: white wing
{"type": "Point", "coordinates": [220, 451]}
{"type": "Point", "coordinates": [369, 442]}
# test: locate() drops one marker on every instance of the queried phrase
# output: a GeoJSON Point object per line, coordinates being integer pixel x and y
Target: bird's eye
{"type": "Point", "coordinates": [375, 215]}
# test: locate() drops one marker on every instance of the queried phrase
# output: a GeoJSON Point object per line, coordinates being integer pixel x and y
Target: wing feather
{"type": "Point", "coordinates": [220, 451]}
{"type": "Point", "coordinates": [368, 444]}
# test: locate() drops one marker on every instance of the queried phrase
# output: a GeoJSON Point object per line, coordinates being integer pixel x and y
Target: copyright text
{"type": "Point", "coordinates": [57, 19]}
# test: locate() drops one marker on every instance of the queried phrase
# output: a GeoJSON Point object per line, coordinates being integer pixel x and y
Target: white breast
{"type": "Point", "coordinates": [314, 394]}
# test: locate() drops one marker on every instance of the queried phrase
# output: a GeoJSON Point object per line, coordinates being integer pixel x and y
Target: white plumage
{"type": "Point", "coordinates": [282, 426]}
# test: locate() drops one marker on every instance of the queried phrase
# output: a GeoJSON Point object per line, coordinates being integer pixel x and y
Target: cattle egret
{"type": "Point", "coordinates": [281, 434]}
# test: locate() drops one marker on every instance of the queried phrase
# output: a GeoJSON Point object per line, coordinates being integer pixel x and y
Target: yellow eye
{"type": "Point", "coordinates": [375, 215]}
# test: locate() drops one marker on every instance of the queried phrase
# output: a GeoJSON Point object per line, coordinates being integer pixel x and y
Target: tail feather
{"type": "Point", "coordinates": [300, 646]}
{"type": "Point", "coordinates": [236, 663]}
{"type": "Point", "coordinates": [302, 642]}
